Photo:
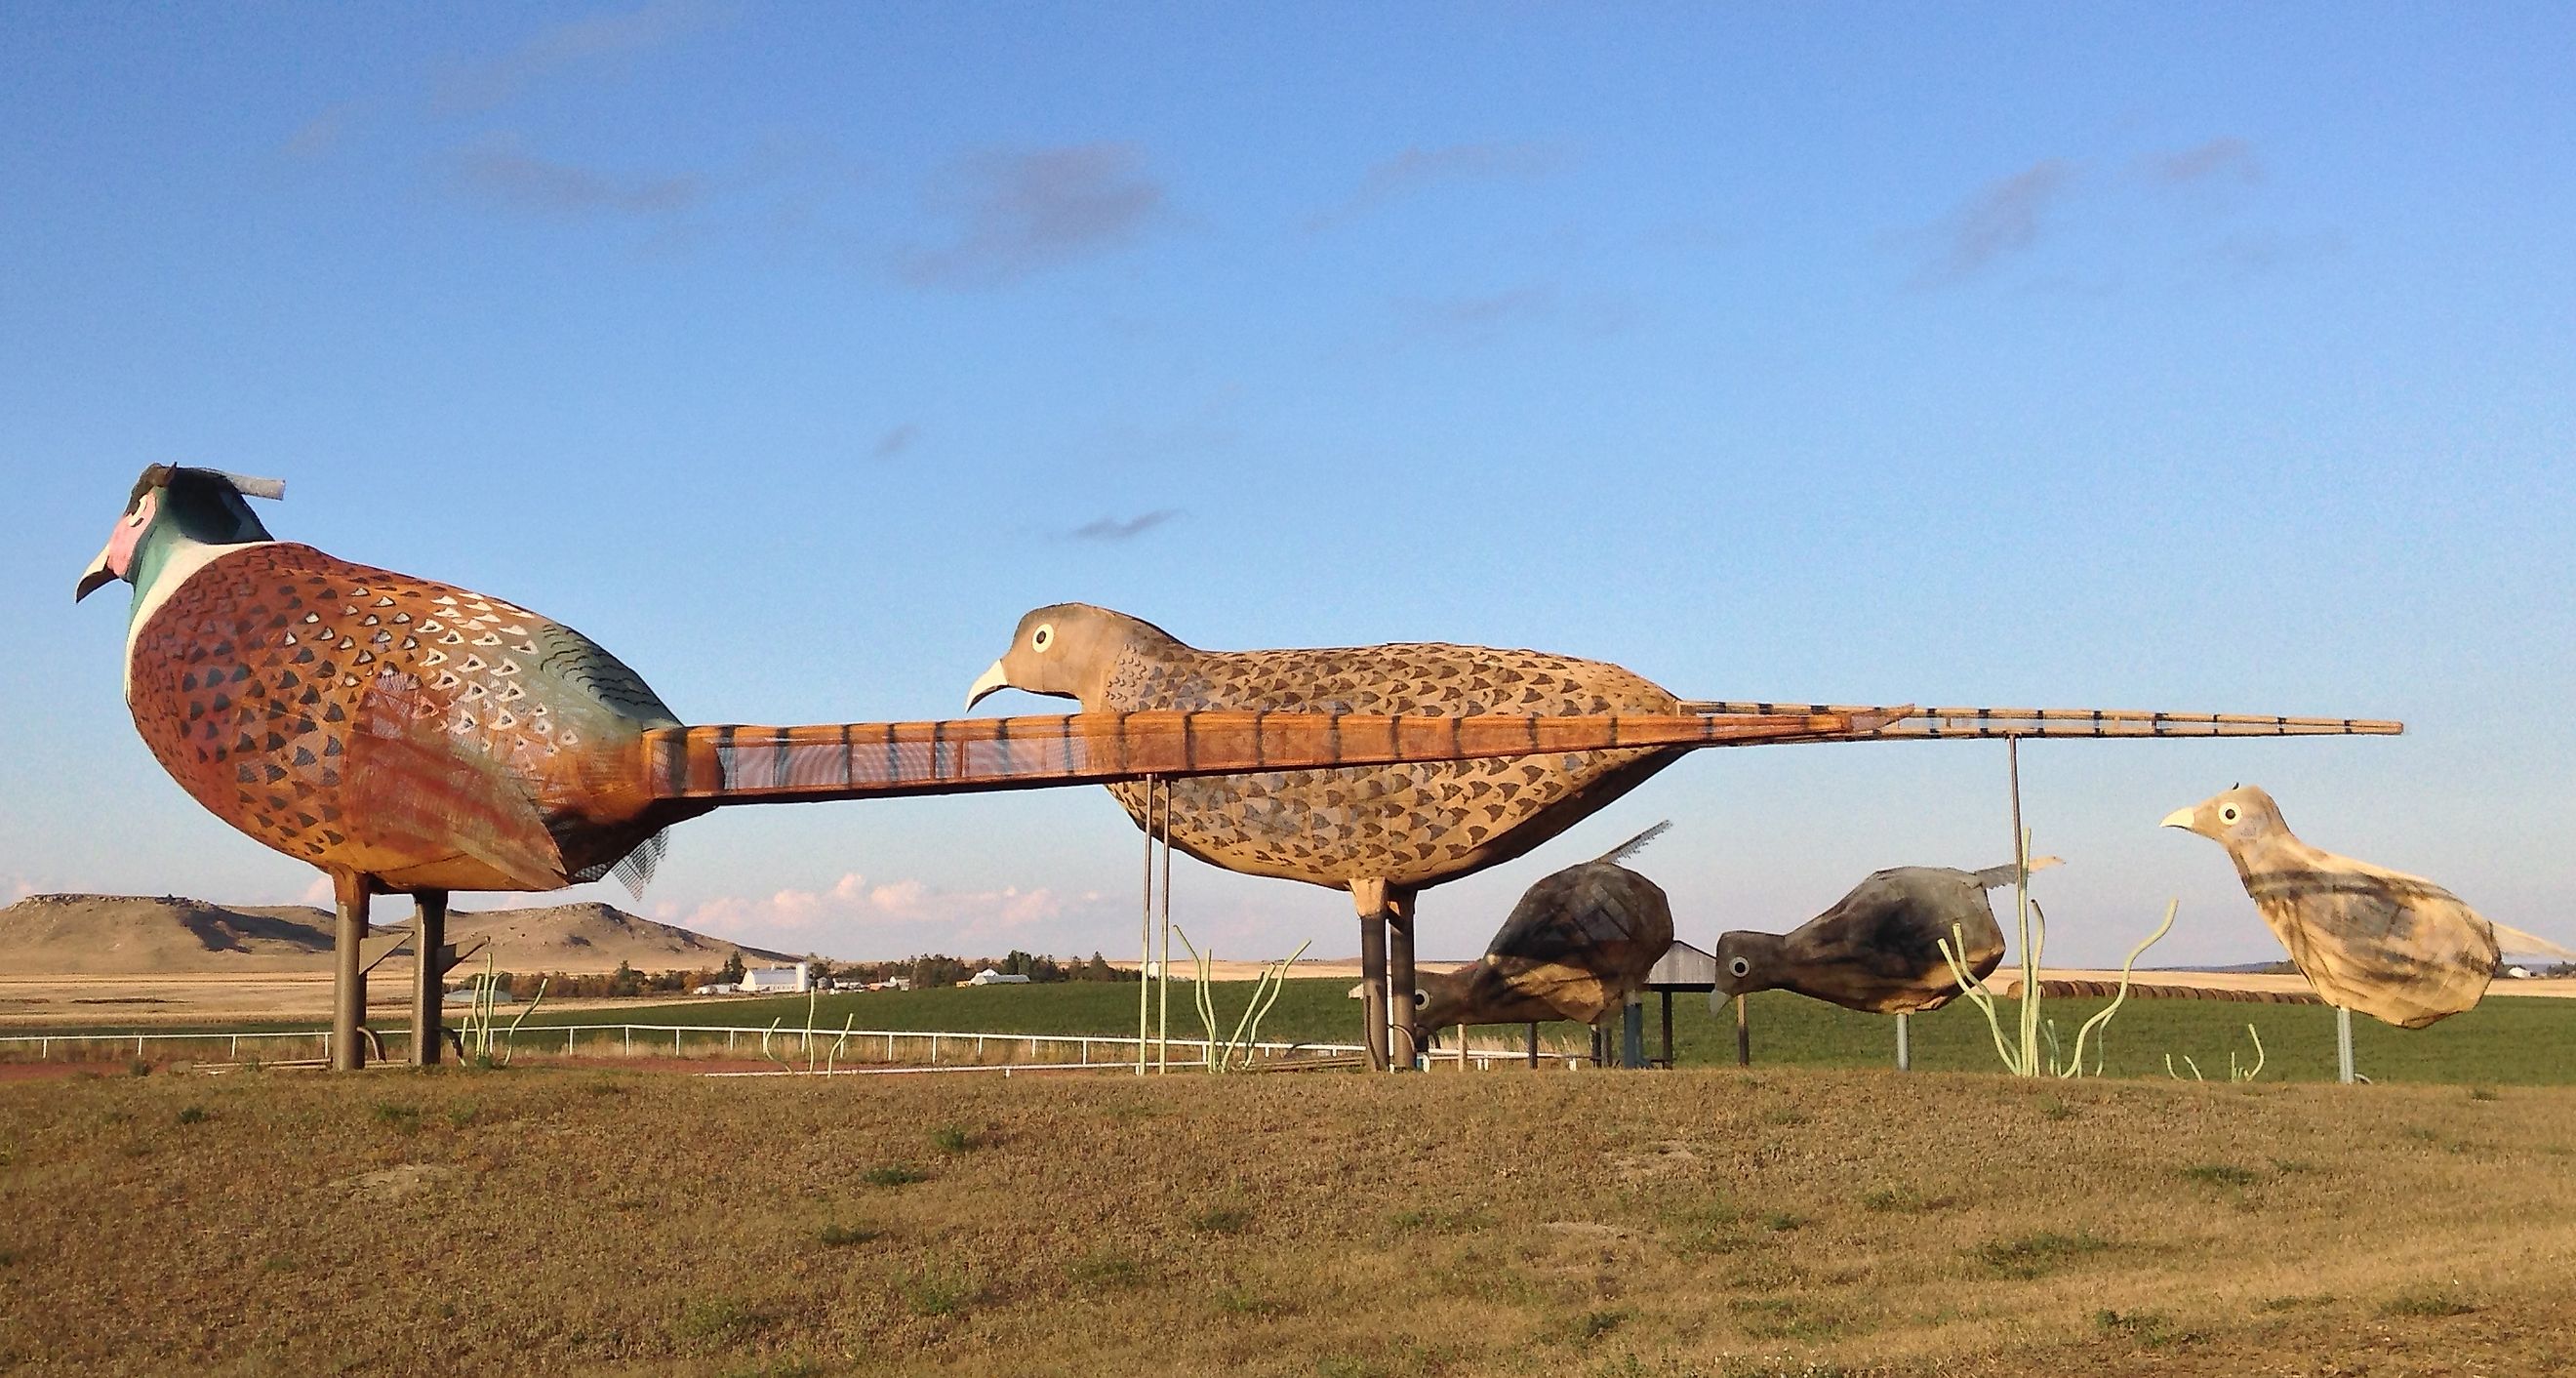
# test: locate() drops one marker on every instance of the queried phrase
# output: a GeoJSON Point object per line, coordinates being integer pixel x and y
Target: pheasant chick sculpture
{"type": "Point", "coordinates": [2396, 947]}
{"type": "Point", "coordinates": [1878, 949]}
{"type": "Point", "coordinates": [1574, 947]}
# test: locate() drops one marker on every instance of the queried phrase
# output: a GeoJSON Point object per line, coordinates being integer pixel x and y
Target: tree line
{"type": "Point", "coordinates": [925, 972]}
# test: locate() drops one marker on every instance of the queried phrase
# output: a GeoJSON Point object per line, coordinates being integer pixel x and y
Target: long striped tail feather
{"type": "Point", "coordinates": [730, 764]}
{"type": "Point", "coordinates": [1927, 724]}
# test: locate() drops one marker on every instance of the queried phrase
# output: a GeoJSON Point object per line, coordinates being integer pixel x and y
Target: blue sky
{"type": "Point", "coordinates": [2198, 358]}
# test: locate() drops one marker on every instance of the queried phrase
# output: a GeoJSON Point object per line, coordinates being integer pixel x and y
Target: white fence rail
{"type": "Point", "coordinates": [932, 1050]}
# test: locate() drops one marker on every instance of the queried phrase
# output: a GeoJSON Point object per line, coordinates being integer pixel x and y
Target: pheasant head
{"type": "Point", "coordinates": [174, 509]}
{"type": "Point", "coordinates": [1067, 650]}
{"type": "Point", "coordinates": [1747, 962]}
{"type": "Point", "coordinates": [2244, 817]}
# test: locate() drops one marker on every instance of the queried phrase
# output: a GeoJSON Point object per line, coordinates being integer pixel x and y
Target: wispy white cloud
{"type": "Point", "coordinates": [2000, 219]}
{"type": "Point", "coordinates": [595, 40]}
{"type": "Point", "coordinates": [499, 171]}
{"type": "Point", "coordinates": [895, 441]}
{"type": "Point", "coordinates": [1016, 213]}
{"type": "Point", "coordinates": [1474, 318]}
{"type": "Point", "coordinates": [1414, 169]}
{"type": "Point", "coordinates": [321, 136]}
{"type": "Point", "coordinates": [2227, 159]}
{"type": "Point", "coordinates": [1123, 528]}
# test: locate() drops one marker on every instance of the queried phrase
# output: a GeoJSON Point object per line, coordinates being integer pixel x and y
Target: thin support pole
{"type": "Point", "coordinates": [1373, 983]}
{"type": "Point", "coordinates": [1145, 938]}
{"type": "Point", "coordinates": [2029, 947]}
{"type": "Point", "coordinates": [1632, 1032]}
{"type": "Point", "coordinates": [1668, 1029]}
{"type": "Point", "coordinates": [1904, 1044]}
{"type": "Point", "coordinates": [349, 974]}
{"type": "Point", "coordinates": [1163, 1018]}
{"type": "Point", "coordinates": [428, 967]}
{"type": "Point", "coordinates": [1743, 1036]}
{"type": "Point", "coordinates": [1402, 984]}
{"type": "Point", "coordinates": [2343, 1045]}
{"type": "Point", "coordinates": [1533, 1044]}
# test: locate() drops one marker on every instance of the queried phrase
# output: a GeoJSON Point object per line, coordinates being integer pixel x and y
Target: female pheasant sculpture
{"type": "Point", "coordinates": [408, 736]}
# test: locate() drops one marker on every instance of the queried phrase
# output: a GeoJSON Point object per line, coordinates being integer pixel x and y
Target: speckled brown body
{"type": "Point", "coordinates": [374, 724]}
{"type": "Point", "coordinates": [1412, 826]}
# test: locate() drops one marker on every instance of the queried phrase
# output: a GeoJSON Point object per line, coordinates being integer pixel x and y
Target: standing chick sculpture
{"type": "Point", "coordinates": [407, 736]}
{"type": "Point", "coordinates": [2396, 947]}
{"type": "Point", "coordinates": [1574, 947]}
{"type": "Point", "coordinates": [1385, 834]}
{"type": "Point", "coordinates": [1878, 949]}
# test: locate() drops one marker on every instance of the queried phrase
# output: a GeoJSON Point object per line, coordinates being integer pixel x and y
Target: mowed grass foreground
{"type": "Point", "coordinates": [1695, 1222]}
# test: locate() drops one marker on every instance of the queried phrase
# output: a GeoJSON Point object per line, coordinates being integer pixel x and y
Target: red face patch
{"type": "Point", "coordinates": [129, 529]}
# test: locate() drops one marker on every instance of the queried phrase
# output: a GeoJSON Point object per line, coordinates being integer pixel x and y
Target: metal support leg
{"type": "Point", "coordinates": [1632, 1032]}
{"type": "Point", "coordinates": [429, 967]}
{"type": "Point", "coordinates": [1373, 987]}
{"type": "Point", "coordinates": [1668, 1029]}
{"type": "Point", "coordinates": [348, 976]}
{"type": "Point", "coordinates": [1402, 985]}
{"type": "Point", "coordinates": [1743, 1036]}
{"type": "Point", "coordinates": [1904, 1044]}
{"type": "Point", "coordinates": [2343, 1045]}
{"type": "Point", "coordinates": [1533, 1043]}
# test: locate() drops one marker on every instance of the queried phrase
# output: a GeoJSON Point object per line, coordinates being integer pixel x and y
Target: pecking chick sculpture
{"type": "Point", "coordinates": [1387, 833]}
{"type": "Point", "coordinates": [407, 736]}
{"type": "Point", "coordinates": [2396, 947]}
{"type": "Point", "coordinates": [1878, 949]}
{"type": "Point", "coordinates": [1575, 947]}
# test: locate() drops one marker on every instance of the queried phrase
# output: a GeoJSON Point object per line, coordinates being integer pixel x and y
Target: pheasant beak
{"type": "Point", "coordinates": [2180, 818]}
{"type": "Point", "coordinates": [98, 575]}
{"type": "Point", "coordinates": [995, 678]}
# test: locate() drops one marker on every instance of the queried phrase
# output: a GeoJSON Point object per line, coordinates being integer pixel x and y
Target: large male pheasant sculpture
{"type": "Point", "coordinates": [1386, 833]}
{"type": "Point", "coordinates": [407, 736]}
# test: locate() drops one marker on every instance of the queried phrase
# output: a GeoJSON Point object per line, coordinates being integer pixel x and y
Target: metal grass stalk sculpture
{"type": "Point", "coordinates": [2235, 1075]}
{"type": "Point", "coordinates": [475, 1040]}
{"type": "Point", "coordinates": [842, 1042]}
{"type": "Point", "coordinates": [1247, 1029]}
{"type": "Point", "coordinates": [2024, 1060]}
{"type": "Point", "coordinates": [765, 1034]}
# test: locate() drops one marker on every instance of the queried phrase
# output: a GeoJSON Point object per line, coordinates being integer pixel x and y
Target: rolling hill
{"type": "Point", "coordinates": [169, 935]}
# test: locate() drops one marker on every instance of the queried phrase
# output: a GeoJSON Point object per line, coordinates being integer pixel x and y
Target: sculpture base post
{"type": "Point", "coordinates": [348, 974]}
{"type": "Point", "coordinates": [429, 968]}
{"type": "Point", "coordinates": [1370, 897]}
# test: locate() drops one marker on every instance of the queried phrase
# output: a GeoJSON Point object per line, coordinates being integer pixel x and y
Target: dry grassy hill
{"type": "Point", "coordinates": [1717, 1224]}
{"type": "Point", "coordinates": [168, 935]}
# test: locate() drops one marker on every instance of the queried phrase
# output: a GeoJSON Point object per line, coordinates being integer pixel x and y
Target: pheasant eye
{"type": "Point", "coordinates": [2229, 814]}
{"type": "Point", "coordinates": [1739, 966]}
{"type": "Point", "coordinates": [1421, 998]}
{"type": "Point", "coordinates": [1043, 637]}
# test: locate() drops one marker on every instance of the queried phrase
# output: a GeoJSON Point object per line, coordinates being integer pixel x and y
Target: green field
{"type": "Point", "coordinates": [2505, 1041]}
